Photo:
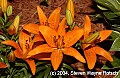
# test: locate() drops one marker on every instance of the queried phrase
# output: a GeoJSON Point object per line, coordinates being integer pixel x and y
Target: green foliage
{"type": "Point", "coordinates": [116, 44]}
{"type": "Point", "coordinates": [118, 76]}
{"type": "Point", "coordinates": [111, 12]}
{"type": "Point", "coordinates": [112, 65]}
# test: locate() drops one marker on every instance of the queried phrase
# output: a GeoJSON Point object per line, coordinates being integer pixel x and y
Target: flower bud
{"type": "Point", "coordinates": [69, 17]}
{"type": "Point", "coordinates": [3, 4]}
{"type": "Point", "coordinates": [11, 56]}
{"type": "Point", "coordinates": [9, 10]}
{"type": "Point", "coordinates": [13, 28]}
{"type": "Point", "coordinates": [70, 6]}
{"type": "Point", "coordinates": [87, 42]}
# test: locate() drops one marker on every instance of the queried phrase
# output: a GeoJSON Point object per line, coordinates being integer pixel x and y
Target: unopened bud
{"type": "Point", "coordinates": [11, 56]}
{"type": "Point", "coordinates": [87, 42]}
{"type": "Point", "coordinates": [9, 10]}
{"type": "Point", "coordinates": [69, 17]}
{"type": "Point", "coordinates": [13, 28]}
{"type": "Point", "coordinates": [70, 6]}
{"type": "Point", "coordinates": [3, 4]}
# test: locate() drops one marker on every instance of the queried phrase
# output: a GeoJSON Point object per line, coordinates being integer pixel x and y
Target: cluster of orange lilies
{"type": "Point", "coordinates": [51, 40]}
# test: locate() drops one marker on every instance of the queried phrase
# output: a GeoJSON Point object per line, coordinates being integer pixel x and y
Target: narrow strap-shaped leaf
{"type": "Point", "coordinates": [42, 17]}
{"type": "Point", "coordinates": [54, 18]}
{"type": "Point", "coordinates": [73, 52]}
{"type": "Point", "coordinates": [56, 58]}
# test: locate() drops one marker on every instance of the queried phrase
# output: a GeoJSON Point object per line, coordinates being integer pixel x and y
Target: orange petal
{"type": "Point", "coordinates": [56, 58]}
{"type": "Point", "coordinates": [13, 44]}
{"type": "Point", "coordinates": [61, 28]}
{"type": "Point", "coordinates": [42, 56]}
{"type": "Point", "coordinates": [38, 37]}
{"type": "Point", "coordinates": [3, 65]}
{"type": "Point", "coordinates": [40, 49]}
{"type": "Point", "coordinates": [32, 65]}
{"type": "Point", "coordinates": [87, 27]}
{"type": "Point", "coordinates": [104, 53]}
{"type": "Point", "coordinates": [49, 35]}
{"type": "Point", "coordinates": [54, 18]}
{"type": "Point", "coordinates": [32, 28]}
{"type": "Point", "coordinates": [24, 41]}
{"type": "Point", "coordinates": [104, 34]}
{"type": "Point", "coordinates": [73, 52]}
{"type": "Point", "coordinates": [42, 17]}
{"type": "Point", "coordinates": [90, 56]}
{"type": "Point", "coordinates": [18, 54]}
{"type": "Point", "coordinates": [72, 37]}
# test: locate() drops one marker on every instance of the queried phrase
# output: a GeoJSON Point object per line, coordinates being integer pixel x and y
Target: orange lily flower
{"type": "Point", "coordinates": [26, 45]}
{"type": "Point", "coordinates": [90, 48]}
{"type": "Point", "coordinates": [59, 43]}
{"type": "Point", "coordinates": [2, 65]}
{"type": "Point", "coordinates": [52, 21]}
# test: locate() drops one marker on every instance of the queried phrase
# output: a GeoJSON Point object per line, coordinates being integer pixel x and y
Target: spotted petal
{"type": "Point", "coordinates": [72, 37]}
{"type": "Point", "coordinates": [61, 28]}
{"type": "Point", "coordinates": [73, 52]}
{"type": "Point", "coordinates": [49, 34]}
{"type": "Point", "coordinates": [90, 56]}
{"type": "Point", "coordinates": [87, 27]}
{"type": "Point", "coordinates": [32, 28]}
{"type": "Point", "coordinates": [54, 18]}
{"type": "Point", "coordinates": [42, 16]}
{"type": "Point", "coordinates": [104, 53]}
{"type": "Point", "coordinates": [56, 58]}
{"type": "Point", "coordinates": [32, 65]}
{"type": "Point", "coordinates": [44, 48]}
{"type": "Point", "coordinates": [104, 34]}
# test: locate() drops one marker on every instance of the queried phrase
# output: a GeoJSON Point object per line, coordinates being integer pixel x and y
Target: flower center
{"type": "Point", "coordinates": [59, 42]}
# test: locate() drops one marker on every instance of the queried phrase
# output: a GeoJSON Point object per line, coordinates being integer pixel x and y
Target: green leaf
{"type": "Point", "coordinates": [109, 15]}
{"type": "Point", "coordinates": [67, 66]}
{"type": "Point", "coordinates": [118, 76]}
{"type": "Point", "coordinates": [2, 37]}
{"type": "Point", "coordinates": [47, 71]}
{"type": "Point", "coordinates": [1, 21]}
{"type": "Point", "coordinates": [8, 24]}
{"type": "Point", "coordinates": [40, 68]}
{"type": "Point", "coordinates": [5, 17]}
{"type": "Point", "coordinates": [111, 4]}
{"type": "Point", "coordinates": [115, 34]}
{"type": "Point", "coordinates": [116, 45]}
{"type": "Point", "coordinates": [41, 74]}
{"type": "Point", "coordinates": [101, 7]}
{"type": "Point", "coordinates": [115, 64]}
